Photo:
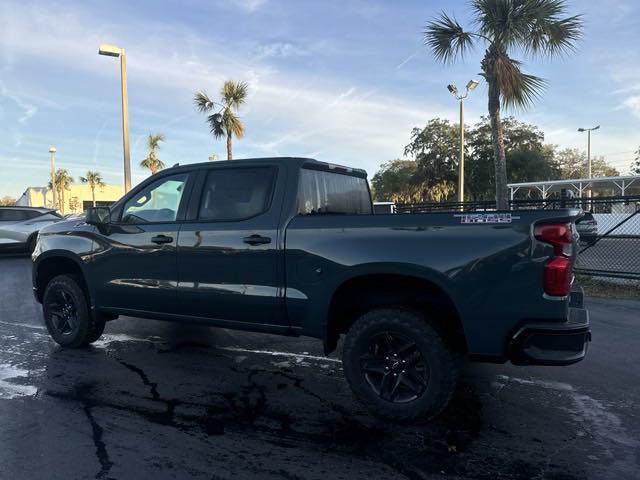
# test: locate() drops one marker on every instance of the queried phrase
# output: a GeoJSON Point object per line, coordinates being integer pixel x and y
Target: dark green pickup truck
{"type": "Point", "coordinates": [291, 246]}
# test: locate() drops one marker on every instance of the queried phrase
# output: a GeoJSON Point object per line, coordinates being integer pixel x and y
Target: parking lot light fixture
{"type": "Point", "coordinates": [589, 130]}
{"type": "Point", "coordinates": [52, 151]}
{"type": "Point", "coordinates": [470, 87]}
{"type": "Point", "coordinates": [113, 51]}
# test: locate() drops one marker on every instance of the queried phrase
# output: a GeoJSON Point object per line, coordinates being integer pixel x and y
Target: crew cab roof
{"type": "Point", "coordinates": [300, 162]}
{"type": "Point", "coordinates": [31, 209]}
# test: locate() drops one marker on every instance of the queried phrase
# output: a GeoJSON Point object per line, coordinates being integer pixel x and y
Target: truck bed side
{"type": "Point", "coordinates": [492, 272]}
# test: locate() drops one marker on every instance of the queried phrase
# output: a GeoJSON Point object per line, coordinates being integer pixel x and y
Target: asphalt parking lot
{"type": "Point", "coordinates": [158, 400]}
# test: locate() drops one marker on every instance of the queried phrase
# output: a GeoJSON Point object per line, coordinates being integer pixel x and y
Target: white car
{"type": "Point", "coordinates": [19, 227]}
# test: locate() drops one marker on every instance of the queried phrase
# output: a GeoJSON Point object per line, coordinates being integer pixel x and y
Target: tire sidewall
{"type": "Point", "coordinates": [78, 336]}
{"type": "Point", "coordinates": [413, 327]}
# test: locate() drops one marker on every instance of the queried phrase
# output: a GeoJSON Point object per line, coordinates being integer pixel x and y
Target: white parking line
{"type": "Point", "coordinates": [282, 354]}
{"type": "Point", "coordinates": [35, 327]}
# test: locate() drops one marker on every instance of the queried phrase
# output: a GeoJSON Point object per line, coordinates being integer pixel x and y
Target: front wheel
{"type": "Point", "coordinates": [399, 366]}
{"type": "Point", "coordinates": [67, 315]}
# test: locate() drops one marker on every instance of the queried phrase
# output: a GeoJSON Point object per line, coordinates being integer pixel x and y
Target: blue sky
{"type": "Point", "coordinates": [341, 81]}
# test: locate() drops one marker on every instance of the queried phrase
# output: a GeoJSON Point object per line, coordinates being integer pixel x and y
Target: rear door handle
{"type": "Point", "coordinates": [160, 239]}
{"type": "Point", "coordinates": [256, 240]}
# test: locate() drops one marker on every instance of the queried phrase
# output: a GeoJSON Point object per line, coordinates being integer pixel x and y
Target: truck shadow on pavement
{"type": "Point", "coordinates": [290, 410]}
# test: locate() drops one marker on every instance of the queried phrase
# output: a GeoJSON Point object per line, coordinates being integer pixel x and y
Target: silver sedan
{"type": "Point", "coordinates": [19, 227]}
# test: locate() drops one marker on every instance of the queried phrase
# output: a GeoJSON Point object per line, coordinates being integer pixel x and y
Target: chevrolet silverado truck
{"type": "Point", "coordinates": [291, 246]}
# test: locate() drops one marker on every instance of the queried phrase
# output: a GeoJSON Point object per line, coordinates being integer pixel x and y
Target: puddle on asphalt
{"type": "Point", "coordinates": [10, 386]}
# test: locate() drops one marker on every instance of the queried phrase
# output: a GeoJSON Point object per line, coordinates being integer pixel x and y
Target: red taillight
{"type": "Point", "coordinates": [557, 273]}
{"type": "Point", "coordinates": [557, 276]}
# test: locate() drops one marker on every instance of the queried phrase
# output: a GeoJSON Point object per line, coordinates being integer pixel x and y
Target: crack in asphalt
{"type": "Point", "coordinates": [81, 394]}
{"type": "Point", "coordinates": [166, 418]}
{"type": "Point", "coordinates": [247, 409]}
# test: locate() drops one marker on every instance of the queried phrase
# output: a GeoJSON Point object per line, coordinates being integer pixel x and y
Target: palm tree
{"type": "Point", "coordinates": [63, 182]}
{"type": "Point", "coordinates": [225, 122]}
{"type": "Point", "coordinates": [152, 162]}
{"type": "Point", "coordinates": [535, 27]}
{"type": "Point", "coordinates": [94, 179]}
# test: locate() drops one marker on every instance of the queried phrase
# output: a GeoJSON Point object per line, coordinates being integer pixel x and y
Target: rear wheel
{"type": "Point", "coordinates": [67, 314]}
{"type": "Point", "coordinates": [399, 366]}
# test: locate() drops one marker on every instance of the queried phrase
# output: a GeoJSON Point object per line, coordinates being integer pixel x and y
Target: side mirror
{"type": "Point", "coordinates": [98, 216]}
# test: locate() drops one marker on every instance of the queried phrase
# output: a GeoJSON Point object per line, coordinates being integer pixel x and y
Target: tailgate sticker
{"type": "Point", "coordinates": [485, 217]}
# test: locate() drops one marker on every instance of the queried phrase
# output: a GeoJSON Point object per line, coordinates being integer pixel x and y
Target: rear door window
{"type": "Point", "coordinates": [234, 194]}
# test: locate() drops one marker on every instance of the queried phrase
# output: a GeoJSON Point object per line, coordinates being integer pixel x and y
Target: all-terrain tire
{"type": "Point", "coordinates": [67, 315]}
{"type": "Point", "coordinates": [441, 361]}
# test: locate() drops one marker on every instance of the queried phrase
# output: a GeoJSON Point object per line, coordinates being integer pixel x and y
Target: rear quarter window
{"type": "Point", "coordinates": [321, 192]}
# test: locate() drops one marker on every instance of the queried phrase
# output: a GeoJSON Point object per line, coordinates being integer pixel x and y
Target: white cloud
{"type": "Point", "coordinates": [632, 104]}
{"type": "Point", "coordinates": [249, 5]}
{"type": "Point", "coordinates": [28, 109]}
{"type": "Point", "coordinates": [303, 112]}
{"type": "Point", "coordinates": [280, 50]}
{"type": "Point", "coordinates": [405, 61]}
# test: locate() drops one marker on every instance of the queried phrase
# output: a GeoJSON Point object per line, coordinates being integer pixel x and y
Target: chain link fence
{"type": "Point", "coordinates": [609, 231]}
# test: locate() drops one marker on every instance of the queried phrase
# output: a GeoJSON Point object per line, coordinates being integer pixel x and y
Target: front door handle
{"type": "Point", "coordinates": [256, 240]}
{"type": "Point", "coordinates": [160, 239]}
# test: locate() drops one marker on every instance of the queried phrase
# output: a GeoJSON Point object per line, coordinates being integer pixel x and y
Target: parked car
{"type": "Point", "coordinates": [19, 227]}
{"type": "Point", "coordinates": [587, 227]}
{"type": "Point", "coordinates": [291, 246]}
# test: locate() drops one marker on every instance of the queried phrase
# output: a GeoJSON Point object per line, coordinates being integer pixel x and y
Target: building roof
{"type": "Point", "coordinates": [578, 184]}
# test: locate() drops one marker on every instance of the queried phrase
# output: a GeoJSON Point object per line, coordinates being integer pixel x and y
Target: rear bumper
{"type": "Point", "coordinates": [554, 344]}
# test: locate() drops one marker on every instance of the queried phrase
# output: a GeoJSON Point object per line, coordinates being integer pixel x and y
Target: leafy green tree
{"type": "Point", "coordinates": [397, 181]}
{"type": "Point", "coordinates": [530, 158]}
{"type": "Point", "coordinates": [63, 182]}
{"type": "Point", "coordinates": [74, 204]}
{"type": "Point", "coordinates": [534, 27]}
{"type": "Point", "coordinates": [435, 149]}
{"type": "Point", "coordinates": [224, 123]}
{"type": "Point", "coordinates": [635, 168]}
{"type": "Point", "coordinates": [152, 162]}
{"type": "Point", "coordinates": [573, 164]}
{"type": "Point", "coordinates": [94, 179]}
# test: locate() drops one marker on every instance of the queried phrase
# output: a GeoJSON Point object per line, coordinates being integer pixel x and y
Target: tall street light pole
{"type": "Point", "coordinates": [113, 51]}
{"type": "Point", "coordinates": [589, 130]}
{"type": "Point", "coordinates": [52, 151]}
{"type": "Point", "coordinates": [454, 91]}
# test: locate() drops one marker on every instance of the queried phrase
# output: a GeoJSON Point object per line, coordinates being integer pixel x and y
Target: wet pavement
{"type": "Point", "coordinates": [159, 400]}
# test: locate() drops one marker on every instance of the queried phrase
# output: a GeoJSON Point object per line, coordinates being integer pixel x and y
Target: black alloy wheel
{"type": "Point", "coordinates": [394, 368]}
{"type": "Point", "coordinates": [67, 313]}
{"type": "Point", "coordinates": [398, 365]}
{"type": "Point", "coordinates": [63, 312]}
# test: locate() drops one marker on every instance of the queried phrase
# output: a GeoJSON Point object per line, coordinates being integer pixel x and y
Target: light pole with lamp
{"type": "Point", "coordinates": [471, 85]}
{"type": "Point", "coordinates": [589, 130]}
{"type": "Point", "coordinates": [113, 51]}
{"type": "Point", "coordinates": [52, 151]}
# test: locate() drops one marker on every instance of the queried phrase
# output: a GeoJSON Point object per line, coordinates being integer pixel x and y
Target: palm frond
{"type": "Point", "coordinates": [202, 101]}
{"type": "Point", "coordinates": [216, 125]}
{"type": "Point", "coordinates": [536, 26]}
{"type": "Point", "coordinates": [234, 94]}
{"type": "Point", "coordinates": [447, 39]}
{"type": "Point", "coordinates": [93, 178]}
{"type": "Point", "coordinates": [153, 141]}
{"type": "Point", "coordinates": [517, 89]}
{"type": "Point", "coordinates": [555, 37]}
{"type": "Point", "coordinates": [233, 124]}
